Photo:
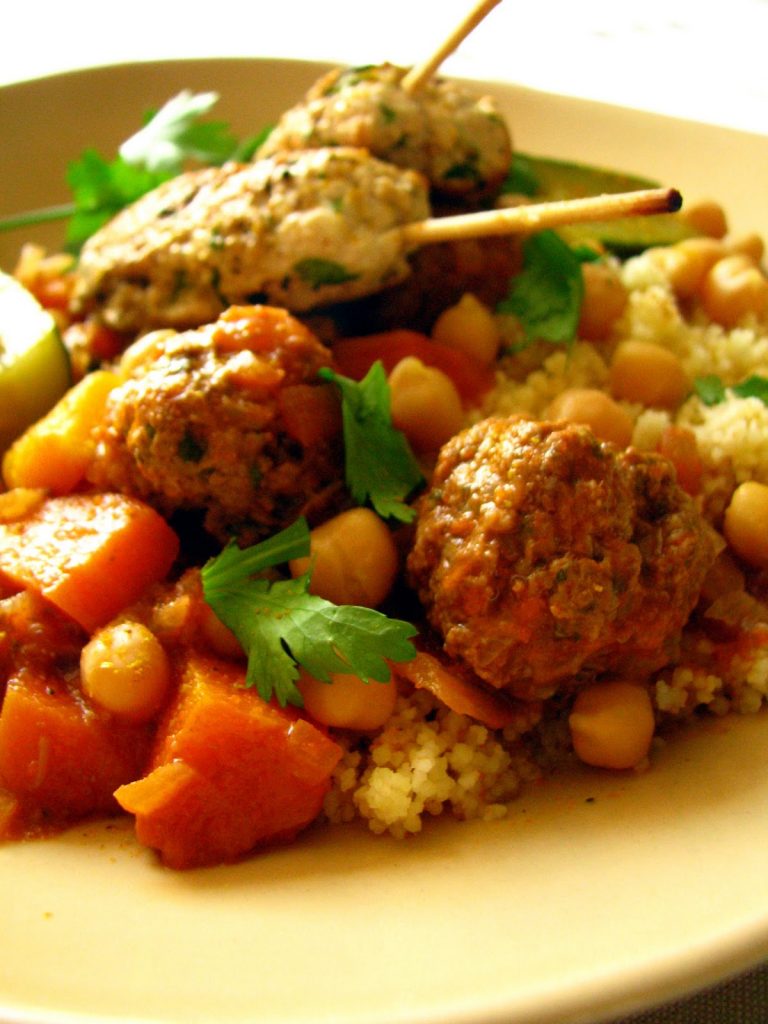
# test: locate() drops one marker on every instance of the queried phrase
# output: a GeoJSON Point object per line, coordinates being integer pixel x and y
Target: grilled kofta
{"type": "Point", "coordinates": [300, 231]}
{"type": "Point", "coordinates": [543, 556]}
{"type": "Point", "coordinates": [230, 421]}
{"type": "Point", "coordinates": [459, 140]}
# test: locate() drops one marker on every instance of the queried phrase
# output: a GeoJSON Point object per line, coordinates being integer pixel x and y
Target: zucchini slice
{"type": "Point", "coordinates": [34, 364]}
{"type": "Point", "coordinates": [545, 179]}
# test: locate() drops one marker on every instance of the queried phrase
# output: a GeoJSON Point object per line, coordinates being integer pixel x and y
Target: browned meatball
{"type": "Point", "coordinates": [230, 420]}
{"type": "Point", "coordinates": [542, 554]}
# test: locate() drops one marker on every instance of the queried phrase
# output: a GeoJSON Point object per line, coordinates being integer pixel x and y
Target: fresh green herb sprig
{"type": "Point", "coordinates": [711, 390]}
{"type": "Point", "coordinates": [547, 295]}
{"type": "Point", "coordinates": [379, 464]}
{"type": "Point", "coordinates": [282, 626]}
{"type": "Point", "coordinates": [171, 138]}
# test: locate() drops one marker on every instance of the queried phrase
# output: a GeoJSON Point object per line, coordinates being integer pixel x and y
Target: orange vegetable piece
{"type": "Point", "coordinates": [54, 452]}
{"type": "Point", "coordinates": [678, 444]}
{"type": "Point", "coordinates": [59, 757]}
{"type": "Point", "coordinates": [311, 412]}
{"type": "Point", "coordinates": [229, 772]}
{"type": "Point", "coordinates": [460, 694]}
{"type": "Point", "coordinates": [353, 357]}
{"type": "Point", "coordinates": [91, 555]}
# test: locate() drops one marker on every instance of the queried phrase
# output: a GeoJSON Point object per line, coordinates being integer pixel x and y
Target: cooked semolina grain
{"type": "Point", "coordinates": [734, 431]}
{"type": "Point", "coordinates": [426, 761]}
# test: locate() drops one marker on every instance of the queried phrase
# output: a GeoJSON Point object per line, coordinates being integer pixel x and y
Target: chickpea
{"type": "Point", "coordinates": [644, 372]}
{"type": "Point", "coordinates": [425, 404]}
{"type": "Point", "coordinates": [612, 724]}
{"type": "Point", "coordinates": [687, 263]}
{"type": "Point", "coordinates": [751, 245]}
{"type": "Point", "coordinates": [707, 217]}
{"type": "Point", "coordinates": [125, 670]}
{"type": "Point", "coordinates": [347, 702]}
{"type": "Point", "coordinates": [605, 298]}
{"type": "Point", "coordinates": [746, 523]}
{"type": "Point", "coordinates": [353, 557]}
{"type": "Point", "coordinates": [597, 410]}
{"type": "Point", "coordinates": [734, 288]}
{"type": "Point", "coordinates": [471, 327]}
{"type": "Point", "coordinates": [220, 637]}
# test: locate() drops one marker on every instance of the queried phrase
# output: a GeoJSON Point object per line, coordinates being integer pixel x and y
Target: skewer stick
{"type": "Point", "coordinates": [536, 217]}
{"type": "Point", "coordinates": [420, 73]}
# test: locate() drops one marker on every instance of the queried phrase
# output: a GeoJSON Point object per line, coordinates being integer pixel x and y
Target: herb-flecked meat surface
{"type": "Point", "coordinates": [229, 420]}
{"type": "Point", "coordinates": [300, 231]}
{"type": "Point", "coordinates": [459, 140]}
{"type": "Point", "coordinates": [545, 557]}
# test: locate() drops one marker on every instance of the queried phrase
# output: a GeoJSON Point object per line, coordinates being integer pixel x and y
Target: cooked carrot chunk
{"type": "Point", "coordinates": [55, 451]}
{"type": "Point", "coordinates": [229, 772]}
{"type": "Point", "coordinates": [91, 555]}
{"type": "Point", "coordinates": [60, 758]}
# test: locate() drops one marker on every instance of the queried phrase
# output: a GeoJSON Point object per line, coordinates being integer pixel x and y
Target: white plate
{"type": "Point", "coordinates": [599, 894]}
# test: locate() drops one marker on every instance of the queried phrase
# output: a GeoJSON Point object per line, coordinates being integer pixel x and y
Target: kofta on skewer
{"type": "Point", "coordinates": [408, 117]}
{"type": "Point", "coordinates": [300, 231]}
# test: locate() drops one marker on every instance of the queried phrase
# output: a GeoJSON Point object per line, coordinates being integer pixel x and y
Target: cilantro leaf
{"type": "Point", "coordinates": [281, 625]}
{"type": "Point", "coordinates": [169, 139]}
{"type": "Point", "coordinates": [318, 272]}
{"type": "Point", "coordinates": [379, 463]}
{"type": "Point", "coordinates": [546, 296]}
{"type": "Point", "coordinates": [712, 391]}
{"type": "Point", "coordinates": [172, 135]}
{"type": "Point", "coordinates": [101, 189]}
{"type": "Point", "coordinates": [753, 387]}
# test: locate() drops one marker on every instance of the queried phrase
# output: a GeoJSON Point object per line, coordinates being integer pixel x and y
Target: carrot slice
{"type": "Point", "coordinates": [229, 771]}
{"type": "Point", "coordinates": [353, 357]}
{"type": "Point", "coordinates": [91, 555]}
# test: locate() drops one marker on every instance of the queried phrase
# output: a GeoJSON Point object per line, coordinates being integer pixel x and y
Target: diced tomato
{"type": "Point", "coordinates": [353, 357]}
{"type": "Point", "coordinates": [678, 444]}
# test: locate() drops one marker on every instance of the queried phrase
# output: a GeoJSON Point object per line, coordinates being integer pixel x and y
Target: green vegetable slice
{"type": "Point", "coordinates": [547, 179]}
{"type": "Point", "coordinates": [34, 364]}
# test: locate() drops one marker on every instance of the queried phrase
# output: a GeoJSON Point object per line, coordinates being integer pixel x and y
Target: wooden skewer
{"type": "Point", "coordinates": [420, 73]}
{"type": "Point", "coordinates": [536, 217]}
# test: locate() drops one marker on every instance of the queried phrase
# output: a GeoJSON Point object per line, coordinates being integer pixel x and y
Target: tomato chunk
{"type": "Point", "coordinates": [353, 357]}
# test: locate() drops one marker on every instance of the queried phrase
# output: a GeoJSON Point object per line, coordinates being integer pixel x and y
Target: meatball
{"type": "Point", "coordinates": [300, 231]}
{"type": "Point", "coordinates": [363, 107]}
{"type": "Point", "coordinates": [229, 420]}
{"type": "Point", "coordinates": [457, 139]}
{"type": "Point", "coordinates": [544, 557]}
{"type": "Point", "coordinates": [470, 150]}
